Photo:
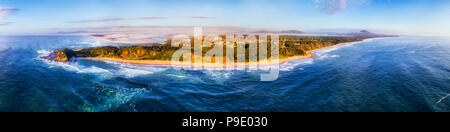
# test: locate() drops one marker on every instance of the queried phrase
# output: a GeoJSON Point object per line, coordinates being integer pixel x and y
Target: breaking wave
{"type": "Point", "coordinates": [73, 66]}
{"type": "Point", "coordinates": [442, 99]}
{"type": "Point", "coordinates": [43, 53]}
{"type": "Point", "coordinates": [130, 70]}
{"type": "Point", "coordinates": [130, 73]}
{"type": "Point", "coordinates": [292, 64]}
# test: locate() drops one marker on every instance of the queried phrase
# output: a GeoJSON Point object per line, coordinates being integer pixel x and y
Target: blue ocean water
{"type": "Point", "coordinates": [383, 74]}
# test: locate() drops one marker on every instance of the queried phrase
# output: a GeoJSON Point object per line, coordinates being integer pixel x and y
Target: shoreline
{"type": "Point", "coordinates": [310, 54]}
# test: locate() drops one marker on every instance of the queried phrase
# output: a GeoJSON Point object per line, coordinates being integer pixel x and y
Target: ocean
{"type": "Point", "coordinates": [401, 74]}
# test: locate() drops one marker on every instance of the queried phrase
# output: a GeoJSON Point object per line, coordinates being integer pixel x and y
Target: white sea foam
{"type": "Point", "coordinates": [126, 71]}
{"type": "Point", "coordinates": [129, 72]}
{"type": "Point", "coordinates": [442, 99]}
{"type": "Point", "coordinates": [323, 56]}
{"type": "Point", "coordinates": [326, 56]}
{"type": "Point", "coordinates": [327, 50]}
{"type": "Point", "coordinates": [218, 74]}
{"type": "Point", "coordinates": [52, 64]}
{"type": "Point", "coordinates": [178, 76]}
{"type": "Point", "coordinates": [43, 53]}
{"type": "Point", "coordinates": [65, 66]}
{"type": "Point", "coordinates": [72, 66]}
{"type": "Point", "coordinates": [292, 64]}
{"type": "Point", "coordinates": [76, 67]}
{"type": "Point", "coordinates": [94, 69]}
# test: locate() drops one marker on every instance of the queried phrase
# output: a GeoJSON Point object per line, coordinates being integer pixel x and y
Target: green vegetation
{"type": "Point", "coordinates": [289, 46]}
{"type": "Point", "coordinates": [150, 52]}
{"type": "Point", "coordinates": [300, 45]}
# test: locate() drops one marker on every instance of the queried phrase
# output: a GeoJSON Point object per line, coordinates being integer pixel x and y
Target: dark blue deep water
{"type": "Point", "coordinates": [384, 74]}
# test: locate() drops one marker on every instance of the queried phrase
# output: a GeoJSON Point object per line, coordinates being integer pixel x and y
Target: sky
{"type": "Point", "coordinates": [410, 17]}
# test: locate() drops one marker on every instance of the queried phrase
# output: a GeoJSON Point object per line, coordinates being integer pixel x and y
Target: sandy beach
{"type": "Point", "coordinates": [213, 65]}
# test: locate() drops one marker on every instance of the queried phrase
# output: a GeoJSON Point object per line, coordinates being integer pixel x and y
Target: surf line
{"type": "Point", "coordinates": [442, 99]}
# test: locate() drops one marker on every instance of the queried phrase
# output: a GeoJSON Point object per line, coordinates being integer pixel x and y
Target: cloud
{"type": "Point", "coordinates": [5, 23]}
{"type": "Point", "coordinates": [150, 18]}
{"type": "Point", "coordinates": [151, 30]}
{"type": "Point", "coordinates": [6, 11]}
{"type": "Point", "coordinates": [100, 20]}
{"type": "Point", "coordinates": [118, 19]}
{"type": "Point", "coordinates": [200, 17]}
{"type": "Point", "coordinates": [336, 6]}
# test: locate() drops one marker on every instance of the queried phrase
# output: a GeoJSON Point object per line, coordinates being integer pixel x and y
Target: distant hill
{"type": "Point", "coordinates": [367, 34]}
{"type": "Point", "coordinates": [292, 32]}
{"type": "Point", "coordinates": [262, 31]}
{"type": "Point", "coordinates": [280, 32]}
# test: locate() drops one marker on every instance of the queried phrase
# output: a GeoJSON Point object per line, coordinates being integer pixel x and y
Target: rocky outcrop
{"type": "Point", "coordinates": [367, 34]}
{"type": "Point", "coordinates": [63, 55]}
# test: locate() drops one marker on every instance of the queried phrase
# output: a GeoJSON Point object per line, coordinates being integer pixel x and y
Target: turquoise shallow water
{"type": "Point", "coordinates": [384, 74]}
